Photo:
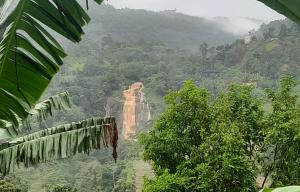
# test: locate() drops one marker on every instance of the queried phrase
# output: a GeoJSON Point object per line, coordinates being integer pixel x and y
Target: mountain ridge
{"type": "Point", "coordinates": [174, 29]}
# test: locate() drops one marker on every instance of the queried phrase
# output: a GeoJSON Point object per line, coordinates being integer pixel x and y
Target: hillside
{"type": "Point", "coordinates": [100, 68]}
{"type": "Point", "coordinates": [172, 28]}
{"type": "Point", "coordinates": [161, 67]}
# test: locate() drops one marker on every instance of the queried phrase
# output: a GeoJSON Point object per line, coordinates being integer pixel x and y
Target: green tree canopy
{"type": "Point", "coordinates": [205, 144]}
{"type": "Point", "coordinates": [225, 144]}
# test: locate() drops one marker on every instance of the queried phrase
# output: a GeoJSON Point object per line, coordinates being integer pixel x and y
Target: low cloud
{"type": "Point", "coordinates": [205, 8]}
{"type": "Point", "coordinates": [238, 26]}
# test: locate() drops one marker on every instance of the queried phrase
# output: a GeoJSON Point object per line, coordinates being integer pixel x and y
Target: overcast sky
{"type": "Point", "coordinates": [205, 8]}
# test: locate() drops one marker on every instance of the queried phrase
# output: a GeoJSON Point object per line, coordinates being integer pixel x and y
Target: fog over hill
{"type": "Point", "coordinates": [238, 26]}
{"type": "Point", "coordinates": [169, 27]}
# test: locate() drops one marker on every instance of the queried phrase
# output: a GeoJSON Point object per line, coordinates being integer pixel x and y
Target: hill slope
{"type": "Point", "coordinates": [101, 68]}
{"type": "Point", "coordinates": [174, 29]}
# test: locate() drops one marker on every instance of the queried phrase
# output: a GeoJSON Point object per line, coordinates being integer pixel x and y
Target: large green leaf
{"type": "Point", "coordinates": [59, 142]}
{"type": "Point", "coordinates": [29, 55]}
{"type": "Point", "coordinates": [283, 189]}
{"type": "Point", "coordinates": [289, 8]}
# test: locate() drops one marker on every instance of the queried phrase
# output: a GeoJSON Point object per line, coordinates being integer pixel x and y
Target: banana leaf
{"type": "Point", "coordinates": [30, 55]}
{"type": "Point", "coordinates": [59, 142]}
{"type": "Point", "coordinates": [289, 8]}
{"type": "Point", "coordinates": [41, 111]}
{"type": "Point", "coordinates": [50, 106]}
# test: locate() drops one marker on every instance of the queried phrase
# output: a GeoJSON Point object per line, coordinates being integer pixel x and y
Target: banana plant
{"type": "Point", "coordinates": [30, 56]}
{"type": "Point", "coordinates": [289, 8]}
{"type": "Point", "coordinates": [57, 142]}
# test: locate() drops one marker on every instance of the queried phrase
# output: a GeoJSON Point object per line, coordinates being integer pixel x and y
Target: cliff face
{"type": "Point", "coordinates": [135, 110]}
{"type": "Point", "coordinates": [132, 112]}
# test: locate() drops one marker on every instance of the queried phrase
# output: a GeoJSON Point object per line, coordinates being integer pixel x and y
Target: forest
{"type": "Point", "coordinates": [212, 111]}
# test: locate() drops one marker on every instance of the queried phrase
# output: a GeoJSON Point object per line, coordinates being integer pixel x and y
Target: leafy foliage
{"type": "Point", "coordinates": [205, 144]}
{"type": "Point", "coordinates": [163, 68]}
{"type": "Point", "coordinates": [50, 106]}
{"type": "Point", "coordinates": [283, 189]}
{"type": "Point", "coordinates": [29, 58]}
{"type": "Point", "coordinates": [30, 55]}
{"type": "Point", "coordinates": [282, 138]}
{"type": "Point", "coordinates": [58, 142]}
{"type": "Point", "coordinates": [127, 179]}
{"type": "Point", "coordinates": [166, 183]}
{"type": "Point", "coordinates": [225, 144]}
{"type": "Point", "coordinates": [41, 111]}
{"type": "Point", "coordinates": [63, 187]}
{"type": "Point", "coordinates": [13, 184]}
{"type": "Point", "coordinates": [8, 187]}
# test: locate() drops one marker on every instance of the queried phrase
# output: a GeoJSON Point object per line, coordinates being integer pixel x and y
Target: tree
{"type": "Point", "coordinates": [225, 144]}
{"type": "Point", "coordinates": [12, 184]}
{"type": "Point", "coordinates": [205, 146]}
{"type": "Point", "coordinates": [89, 177]}
{"type": "Point", "coordinates": [126, 180]}
{"type": "Point", "coordinates": [8, 187]}
{"type": "Point", "coordinates": [283, 30]}
{"type": "Point", "coordinates": [29, 58]}
{"type": "Point", "coordinates": [269, 33]}
{"type": "Point", "coordinates": [282, 139]}
{"type": "Point", "coordinates": [62, 187]}
{"type": "Point", "coordinates": [204, 50]}
{"type": "Point", "coordinates": [166, 183]}
{"type": "Point", "coordinates": [287, 9]}
{"type": "Point", "coordinates": [187, 118]}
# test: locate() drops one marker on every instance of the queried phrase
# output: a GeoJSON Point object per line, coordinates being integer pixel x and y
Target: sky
{"type": "Point", "coordinates": [205, 8]}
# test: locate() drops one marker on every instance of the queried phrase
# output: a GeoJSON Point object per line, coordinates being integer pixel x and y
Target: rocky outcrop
{"type": "Point", "coordinates": [136, 109]}
{"type": "Point", "coordinates": [132, 112]}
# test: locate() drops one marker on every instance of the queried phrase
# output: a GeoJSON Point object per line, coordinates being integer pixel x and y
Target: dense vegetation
{"type": "Point", "coordinates": [161, 68]}
{"type": "Point", "coordinates": [228, 144]}
{"type": "Point", "coordinates": [29, 58]}
{"type": "Point", "coordinates": [251, 140]}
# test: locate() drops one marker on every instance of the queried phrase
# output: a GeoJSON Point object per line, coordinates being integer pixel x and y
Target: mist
{"type": "Point", "coordinates": [235, 16]}
{"type": "Point", "coordinates": [205, 8]}
{"type": "Point", "coordinates": [239, 25]}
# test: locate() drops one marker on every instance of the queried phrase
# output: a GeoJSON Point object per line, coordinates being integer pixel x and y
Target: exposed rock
{"type": "Point", "coordinates": [136, 110]}
{"type": "Point", "coordinates": [132, 112]}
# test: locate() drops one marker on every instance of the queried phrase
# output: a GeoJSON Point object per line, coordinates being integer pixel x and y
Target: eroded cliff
{"type": "Point", "coordinates": [136, 109]}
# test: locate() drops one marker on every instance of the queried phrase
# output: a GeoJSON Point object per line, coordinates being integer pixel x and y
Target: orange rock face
{"type": "Point", "coordinates": [134, 109]}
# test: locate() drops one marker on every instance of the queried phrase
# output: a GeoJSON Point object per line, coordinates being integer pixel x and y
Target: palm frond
{"type": "Point", "coordinates": [59, 142]}
{"type": "Point", "coordinates": [30, 56]}
{"type": "Point", "coordinates": [289, 8]}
